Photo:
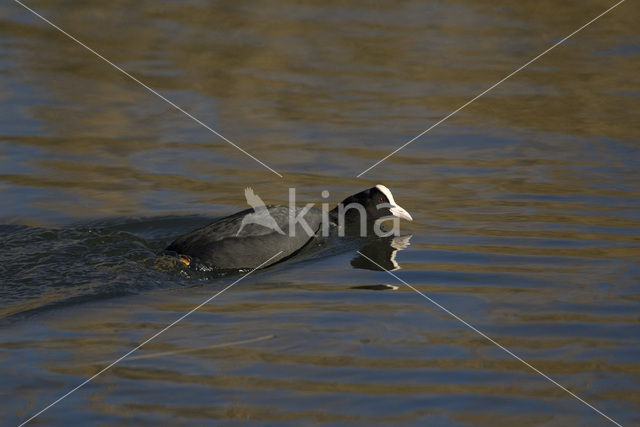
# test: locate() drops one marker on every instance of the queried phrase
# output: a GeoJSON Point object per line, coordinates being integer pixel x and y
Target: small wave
{"type": "Point", "coordinates": [48, 267]}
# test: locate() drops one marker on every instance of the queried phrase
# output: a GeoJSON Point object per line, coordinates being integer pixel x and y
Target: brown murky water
{"type": "Point", "coordinates": [526, 211]}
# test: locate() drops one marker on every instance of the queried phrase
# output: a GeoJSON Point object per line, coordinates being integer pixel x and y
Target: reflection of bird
{"type": "Point", "coordinates": [261, 215]}
{"type": "Point", "coordinates": [380, 254]}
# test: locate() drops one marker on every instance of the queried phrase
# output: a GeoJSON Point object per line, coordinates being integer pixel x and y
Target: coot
{"type": "Point", "coordinates": [248, 238]}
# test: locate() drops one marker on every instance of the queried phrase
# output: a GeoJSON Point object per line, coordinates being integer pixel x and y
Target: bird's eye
{"type": "Point", "coordinates": [379, 199]}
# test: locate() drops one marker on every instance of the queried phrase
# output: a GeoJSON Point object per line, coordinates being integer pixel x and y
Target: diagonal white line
{"type": "Point", "coordinates": [479, 332]}
{"type": "Point", "coordinates": [490, 88]}
{"type": "Point", "coordinates": [153, 91]}
{"type": "Point", "coordinates": [144, 342]}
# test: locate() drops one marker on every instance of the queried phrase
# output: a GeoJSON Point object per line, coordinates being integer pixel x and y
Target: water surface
{"type": "Point", "coordinates": [526, 211]}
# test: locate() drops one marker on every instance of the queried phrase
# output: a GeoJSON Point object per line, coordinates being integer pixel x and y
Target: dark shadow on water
{"type": "Point", "coordinates": [377, 287]}
{"type": "Point", "coordinates": [45, 268]}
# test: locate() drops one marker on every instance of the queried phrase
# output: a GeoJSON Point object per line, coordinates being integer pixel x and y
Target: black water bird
{"type": "Point", "coordinates": [248, 238]}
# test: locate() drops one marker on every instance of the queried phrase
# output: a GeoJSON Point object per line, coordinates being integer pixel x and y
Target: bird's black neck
{"type": "Point", "coordinates": [351, 215]}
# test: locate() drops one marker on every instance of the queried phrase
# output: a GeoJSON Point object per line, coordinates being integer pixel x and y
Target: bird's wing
{"type": "Point", "coordinates": [253, 199]}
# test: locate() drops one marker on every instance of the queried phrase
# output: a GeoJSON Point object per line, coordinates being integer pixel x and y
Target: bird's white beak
{"type": "Point", "coordinates": [400, 213]}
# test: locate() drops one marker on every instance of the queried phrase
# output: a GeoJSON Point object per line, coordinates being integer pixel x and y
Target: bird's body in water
{"type": "Point", "coordinates": [260, 214]}
{"type": "Point", "coordinates": [249, 238]}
